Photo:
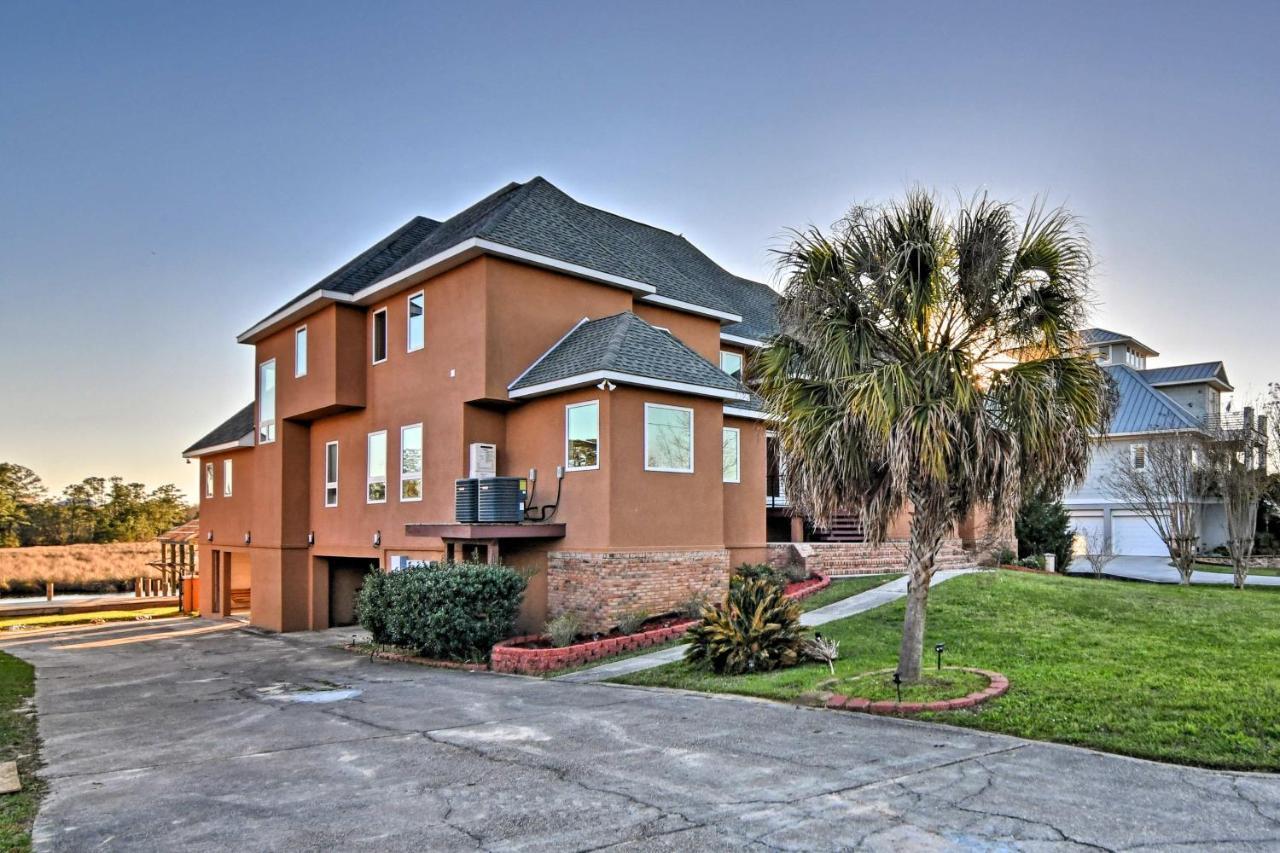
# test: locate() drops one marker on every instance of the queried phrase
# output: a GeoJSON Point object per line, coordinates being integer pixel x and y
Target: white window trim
{"type": "Point", "coordinates": [742, 362]}
{"type": "Point", "coordinates": [208, 480]}
{"type": "Point", "coordinates": [421, 463]}
{"type": "Point", "coordinates": [226, 478]}
{"type": "Point", "coordinates": [581, 405]}
{"type": "Point", "coordinates": [692, 434]}
{"type": "Point", "coordinates": [328, 484]}
{"type": "Point", "coordinates": [300, 369]}
{"type": "Point", "coordinates": [737, 452]}
{"type": "Point", "coordinates": [276, 384]}
{"type": "Point", "coordinates": [373, 336]}
{"type": "Point", "coordinates": [369, 479]}
{"type": "Point", "coordinates": [1133, 457]}
{"type": "Point", "coordinates": [408, 322]}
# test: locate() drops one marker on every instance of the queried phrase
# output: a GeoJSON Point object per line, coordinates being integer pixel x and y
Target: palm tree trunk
{"type": "Point", "coordinates": [927, 532]}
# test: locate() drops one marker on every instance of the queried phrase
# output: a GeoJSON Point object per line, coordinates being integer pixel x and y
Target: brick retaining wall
{"type": "Point", "coordinates": [839, 559]}
{"type": "Point", "coordinates": [603, 586]}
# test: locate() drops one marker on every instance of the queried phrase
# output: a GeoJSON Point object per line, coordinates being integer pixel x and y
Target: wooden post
{"type": "Point", "coordinates": [48, 590]}
{"type": "Point", "coordinates": [137, 587]}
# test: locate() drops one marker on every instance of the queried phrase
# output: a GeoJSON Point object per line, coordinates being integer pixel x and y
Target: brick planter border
{"type": "Point", "coordinates": [998, 686]}
{"type": "Point", "coordinates": [508, 657]}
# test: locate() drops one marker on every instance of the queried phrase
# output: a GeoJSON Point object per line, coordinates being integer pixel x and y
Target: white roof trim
{"type": "Point", "coordinates": [752, 414]}
{"type": "Point", "coordinates": [245, 440]}
{"type": "Point", "coordinates": [539, 359]}
{"type": "Point", "coordinates": [441, 262]}
{"type": "Point", "coordinates": [291, 312]}
{"type": "Point", "coordinates": [625, 379]}
{"type": "Point", "coordinates": [690, 308]}
{"type": "Point", "coordinates": [741, 341]}
{"type": "Point", "coordinates": [1213, 380]}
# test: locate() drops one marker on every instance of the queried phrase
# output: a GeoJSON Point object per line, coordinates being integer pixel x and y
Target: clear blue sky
{"type": "Point", "coordinates": [170, 173]}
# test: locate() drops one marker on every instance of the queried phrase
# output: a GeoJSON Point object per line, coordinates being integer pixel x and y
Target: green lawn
{"type": "Point", "coordinates": [18, 741]}
{"type": "Point", "coordinates": [1226, 570]}
{"type": "Point", "coordinates": [843, 588]}
{"type": "Point", "coordinates": [1172, 673]}
{"type": "Point", "coordinates": [60, 619]}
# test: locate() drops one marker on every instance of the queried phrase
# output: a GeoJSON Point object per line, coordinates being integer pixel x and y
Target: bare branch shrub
{"type": "Point", "coordinates": [1098, 552]}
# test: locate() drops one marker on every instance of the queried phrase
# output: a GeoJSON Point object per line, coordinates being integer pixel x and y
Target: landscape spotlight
{"type": "Point", "coordinates": [897, 683]}
{"type": "Point", "coordinates": [940, 648]}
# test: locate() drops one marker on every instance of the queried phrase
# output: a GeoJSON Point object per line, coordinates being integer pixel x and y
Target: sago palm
{"type": "Point", "coordinates": [928, 362]}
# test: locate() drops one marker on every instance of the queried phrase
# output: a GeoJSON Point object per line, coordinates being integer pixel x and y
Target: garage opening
{"type": "Point", "coordinates": [346, 577]}
{"type": "Point", "coordinates": [1135, 536]}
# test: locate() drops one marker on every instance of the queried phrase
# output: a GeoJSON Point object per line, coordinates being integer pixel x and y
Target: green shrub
{"type": "Point", "coordinates": [631, 622]}
{"type": "Point", "coordinates": [442, 610]}
{"type": "Point", "coordinates": [1035, 561]}
{"type": "Point", "coordinates": [758, 572]}
{"type": "Point", "coordinates": [564, 629]}
{"type": "Point", "coordinates": [1043, 526]}
{"type": "Point", "coordinates": [756, 629]}
{"type": "Point", "coordinates": [1006, 557]}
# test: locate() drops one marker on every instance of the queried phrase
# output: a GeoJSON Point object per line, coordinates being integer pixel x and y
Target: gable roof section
{"type": "Point", "coordinates": [537, 220]}
{"type": "Point", "coordinates": [1211, 372]}
{"type": "Point", "coordinates": [235, 432]}
{"type": "Point", "coordinates": [625, 349]}
{"type": "Point", "coordinates": [1142, 408]}
{"type": "Point", "coordinates": [1097, 337]}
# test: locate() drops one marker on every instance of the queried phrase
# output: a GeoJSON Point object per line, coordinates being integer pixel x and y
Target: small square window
{"type": "Point", "coordinates": [731, 363]}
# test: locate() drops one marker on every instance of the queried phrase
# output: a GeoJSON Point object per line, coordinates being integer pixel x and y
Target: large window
{"type": "Point", "coordinates": [411, 463]}
{"type": "Point", "coordinates": [208, 479]}
{"type": "Point", "coordinates": [731, 363]}
{"type": "Point", "coordinates": [668, 438]}
{"type": "Point", "coordinates": [417, 322]}
{"type": "Point", "coordinates": [331, 474]}
{"type": "Point", "coordinates": [267, 402]}
{"type": "Point", "coordinates": [582, 436]}
{"type": "Point", "coordinates": [732, 456]}
{"type": "Point", "coordinates": [300, 351]}
{"type": "Point", "coordinates": [376, 480]}
{"type": "Point", "coordinates": [379, 336]}
{"type": "Point", "coordinates": [226, 478]}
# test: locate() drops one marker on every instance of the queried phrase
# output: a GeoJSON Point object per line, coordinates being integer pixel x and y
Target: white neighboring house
{"type": "Point", "coordinates": [1152, 401]}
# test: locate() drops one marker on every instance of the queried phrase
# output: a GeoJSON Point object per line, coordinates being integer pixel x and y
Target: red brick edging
{"type": "Point", "coordinates": [507, 656]}
{"type": "Point", "coordinates": [998, 687]}
{"type": "Point", "coordinates": [806, 588]}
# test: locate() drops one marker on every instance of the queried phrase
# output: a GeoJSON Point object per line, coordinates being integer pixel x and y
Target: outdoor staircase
{"type": "Point", "coordinates": [844, 528]}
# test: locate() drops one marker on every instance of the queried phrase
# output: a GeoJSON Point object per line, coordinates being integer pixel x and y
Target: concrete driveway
{"type": "Point", "coordinates": [1159, 570]}
{"type": "Point", "coordinates": [233, 740]}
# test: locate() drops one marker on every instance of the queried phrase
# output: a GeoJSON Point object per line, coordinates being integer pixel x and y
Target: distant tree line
{"type": "Point", "coordinates": [97, 509]}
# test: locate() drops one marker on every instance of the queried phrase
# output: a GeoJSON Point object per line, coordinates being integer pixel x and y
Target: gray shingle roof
{"type": "Point", "coordinates": [1142, 408]}
{"type": "Point", "coordinates": [625, 344]}
{"type": "Point", "coordinates": [1208, 371]}
{"type": "Point", "coordinates": [232, 429]}
{"type": "Point", "coordinates": [538, 217]}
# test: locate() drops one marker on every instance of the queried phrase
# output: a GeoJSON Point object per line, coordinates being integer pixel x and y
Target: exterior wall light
{"type": "Point", "coordinates": [377, 539]}
{"type": "Point", "coordinates": [311, 538]}
{"type": "Point", "coordinates": [247, 537]}
{"type": "Point", "coordinates": [209, 536]}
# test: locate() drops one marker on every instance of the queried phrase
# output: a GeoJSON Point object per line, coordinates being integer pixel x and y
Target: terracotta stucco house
{"type": "Point", "coordinates": [529, 333]}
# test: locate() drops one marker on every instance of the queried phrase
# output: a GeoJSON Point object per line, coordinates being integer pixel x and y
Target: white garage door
{"type": "Point", "coordinates": [1134, 536]}
{"type": "Point", "coordinates": [1082, 524]}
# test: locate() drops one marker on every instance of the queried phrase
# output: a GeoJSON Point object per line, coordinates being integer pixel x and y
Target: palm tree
{"type": "Point", "coordinates": [929, 360]}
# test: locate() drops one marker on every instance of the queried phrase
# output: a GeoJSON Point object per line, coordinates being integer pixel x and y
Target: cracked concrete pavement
{"type": "Point", "coordinates": [230, 739]}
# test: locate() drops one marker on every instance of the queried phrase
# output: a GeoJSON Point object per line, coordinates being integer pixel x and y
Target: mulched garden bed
{"type": "Point", "coordinates": [533, 654]}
